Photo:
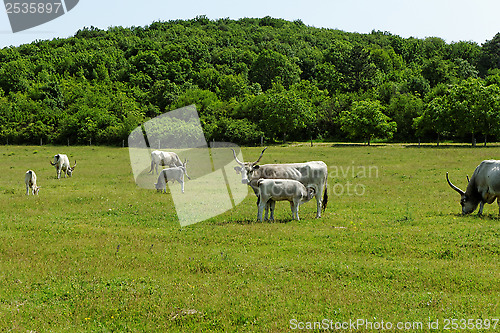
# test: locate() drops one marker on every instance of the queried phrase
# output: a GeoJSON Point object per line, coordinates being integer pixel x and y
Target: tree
{"type": "Point", "coordinates": [435, 118]}
{"type": "Point", "coordinates": [366, 120]}
{"type": "Point", "coordinates": [436, 70]}
{"type": "Point", "coordinates": [403, 108]}
{"type": "Point", "coordinates": [271, 66]}
{"type": "Point", "coordinates": [281, 113]}
{"type": "Point", "coordinates": [476, 106]}
{"type": "Point", "coordinates": [490, 55]}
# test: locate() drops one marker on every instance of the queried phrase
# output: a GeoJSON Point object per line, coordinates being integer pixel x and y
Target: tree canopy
{"type": "Point", "coordinates": [249, 78]}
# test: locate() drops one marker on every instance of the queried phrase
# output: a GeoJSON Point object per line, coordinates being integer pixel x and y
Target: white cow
{"type": "Point", "coordinates": [313, 174]}
{"type": "Point", "coordinates": [272, 190]}
{"type": "Point", "coordinates": [30, 181]}
{"type": "Point", "coordinates": [164, 158]}
{"type": "Point", "coordinates": [172, 174]}
{"type": "Point", "coordinates": [61, 162]}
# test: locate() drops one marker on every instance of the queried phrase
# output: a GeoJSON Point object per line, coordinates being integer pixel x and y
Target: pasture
{"type": "Point", "coordinates": [97, 253]}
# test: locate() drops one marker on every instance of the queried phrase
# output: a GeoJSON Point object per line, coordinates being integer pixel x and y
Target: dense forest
{"type": "Point", "coordinates": [250, 78]}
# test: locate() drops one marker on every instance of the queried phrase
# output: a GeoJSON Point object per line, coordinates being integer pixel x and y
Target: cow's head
{"type": "Point", "coordinates": [311, 192]}
{"type": "Point", "coordinates": [70, 169]}
{"type": "Point", "coordinates": [246, 168]}
{"type": "Point", "coordinates": [469, 202]}
{"type": "Point", "coordinates": [36, 189]}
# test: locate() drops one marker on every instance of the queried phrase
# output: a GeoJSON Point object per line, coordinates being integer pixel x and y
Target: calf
{"type": "Point", "coordinates": [271, 190]}
{"type": "Point", "coordinates": [171, 174]}
{"type": "Point", "coordinates": [30, 181]}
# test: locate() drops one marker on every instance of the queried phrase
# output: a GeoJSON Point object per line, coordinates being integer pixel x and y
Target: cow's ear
{"type": "Point", "coordinates": [256, 167]}
{"type": "Point", "coordinates": [237, 169]}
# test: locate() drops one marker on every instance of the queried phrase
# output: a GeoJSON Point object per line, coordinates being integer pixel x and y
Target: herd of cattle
{"type": "Point", "coordinates": [294, 182]}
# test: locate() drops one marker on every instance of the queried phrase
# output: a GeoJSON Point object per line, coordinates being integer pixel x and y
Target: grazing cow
{"type": "Point", "coordinates": [272, 190]}
{"type": "Point", "coordinates": [310, 174]}
{"type": "Point", "coordinates": [164, 158]}
{"type": "Point", "coordinates": [172, 174]}
{"type": "Point", "coordinates": [61, 162]}
{"type": "Point", "coordinates": [483, 187]}
{"type": "Point", "coordinates": [30, 181]}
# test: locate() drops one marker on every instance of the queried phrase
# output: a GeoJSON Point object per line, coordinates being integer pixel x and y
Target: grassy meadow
{"type": "Point", "coordinates": [97, 253]}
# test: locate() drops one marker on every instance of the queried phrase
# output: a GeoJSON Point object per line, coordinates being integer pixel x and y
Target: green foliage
{"type": "Point", "coordinates": [470, 107]}
{"type": "Point", "coordinates": [271, 66]}
{"type": "Point", "coordinates": [366, 120]}
{"type": "Point", "coordinates": [100, 84]}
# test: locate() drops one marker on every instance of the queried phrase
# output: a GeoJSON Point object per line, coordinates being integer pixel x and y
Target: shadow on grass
{"type": "Point", "coordinates": [474, 216]}
{"type": "Point", "coordinates": [254, 221]}
{"type": "Point", "coordinates": [449, 146]}
{"type": "Point", "coordinates": [375, 145]}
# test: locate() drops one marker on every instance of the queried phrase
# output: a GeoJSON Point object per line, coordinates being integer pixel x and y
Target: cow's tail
{"type": "Point", "coordinates": [325, 197]}
{"type": "Point", "coordinates": [152, 166]}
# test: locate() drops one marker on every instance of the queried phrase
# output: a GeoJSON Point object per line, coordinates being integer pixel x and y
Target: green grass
{"type": "Point", "coordinates": [96, 253]}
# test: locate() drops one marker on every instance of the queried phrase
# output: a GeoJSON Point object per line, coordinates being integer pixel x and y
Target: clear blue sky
{"type": "Point", "coordinates": [452, 20]}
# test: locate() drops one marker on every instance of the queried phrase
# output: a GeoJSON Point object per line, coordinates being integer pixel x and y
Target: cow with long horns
{"type": "Point", "coordinates": [310, 174]}
{"type": "Point", "coordinates": [163, 158]}
{"type": "Point", "coordinates": [61, 162]}
{"type": "Point", "coordinates": [483, 187]}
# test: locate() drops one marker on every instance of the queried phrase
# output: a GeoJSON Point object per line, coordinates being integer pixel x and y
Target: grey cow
{"type": "Point", "coordinates": [483, 187]}
{"type": "Point", "coordinates": [172, 174]}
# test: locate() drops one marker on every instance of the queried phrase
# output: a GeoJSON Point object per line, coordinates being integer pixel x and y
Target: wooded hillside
{"type": "Point", "coordinates": [248, 78]}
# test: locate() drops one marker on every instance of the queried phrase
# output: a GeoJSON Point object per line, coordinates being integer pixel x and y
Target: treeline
{"type": "Point", "coordinates": [250, 78]}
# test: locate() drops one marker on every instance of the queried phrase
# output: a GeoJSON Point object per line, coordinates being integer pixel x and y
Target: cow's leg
{"type": "Point", "coordinates": [272, 204]}
{"type": "Point", "coordinates": [318, 201]}
{"type": "Point", "coordinates": [261, 206]}
{"type": "Point", "coordinates": [27, 190]}
{"type": "Point", "coordinates": [296, 210]}
{"type": "Point", "coordinates": [481, 205]}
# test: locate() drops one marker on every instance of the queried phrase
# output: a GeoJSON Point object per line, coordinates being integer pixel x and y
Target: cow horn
{"type": "Point", "coordinates": [236, 158]}
{"type": "Point", "coordinates": [52, 163]}
{"type": "Point", "coordinates": [453, 186]}
{"type": "Point", "coordinates": [74, 166]}
{"type": "Point", "coordinates": [260, 156]}
{"type": "Point", "coordinates": [468, 180]}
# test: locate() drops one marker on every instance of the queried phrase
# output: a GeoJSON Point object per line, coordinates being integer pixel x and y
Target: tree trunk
{"type": "Point", "coordinates": [473, 140]}
{"type": "Point", "coordinates": [438, 140]}
{"type": "Point", "coordinates": [485, 139]}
